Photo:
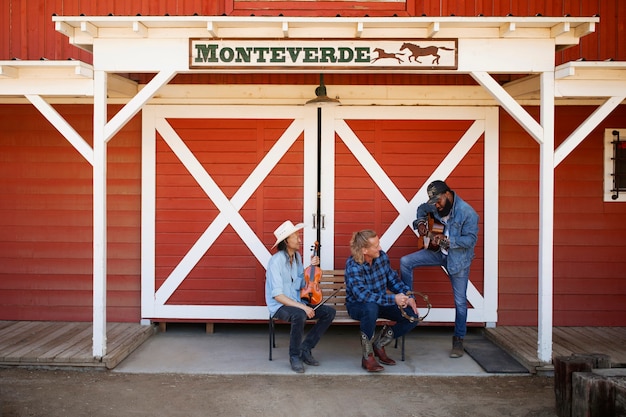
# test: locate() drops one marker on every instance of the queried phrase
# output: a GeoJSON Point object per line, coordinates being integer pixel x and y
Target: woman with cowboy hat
{"type": "Point", "coordinates": [284, 279]}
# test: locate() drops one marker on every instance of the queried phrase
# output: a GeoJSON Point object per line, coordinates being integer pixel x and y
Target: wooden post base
{"type": "Point", "coordinates": [600, 392]}
{"type": "Point", "coordinates": [564, 368]}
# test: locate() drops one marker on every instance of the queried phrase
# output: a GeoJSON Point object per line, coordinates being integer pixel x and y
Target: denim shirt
{"type": "Point", "coordinates": [462, 231]}
{"type": "Point", "coordinates": [283, 277]}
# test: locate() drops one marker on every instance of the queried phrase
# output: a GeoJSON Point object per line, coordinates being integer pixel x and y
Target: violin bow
{"type": "Point", "coordinates": [328, 298]}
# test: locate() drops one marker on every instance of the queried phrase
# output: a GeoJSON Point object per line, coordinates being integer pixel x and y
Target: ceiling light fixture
{"type": "Point", "coordinates": [322, 98]}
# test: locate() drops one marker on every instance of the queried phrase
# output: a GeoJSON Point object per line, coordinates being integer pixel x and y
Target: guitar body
{"type": "Point", "coordinates": [434, 227]}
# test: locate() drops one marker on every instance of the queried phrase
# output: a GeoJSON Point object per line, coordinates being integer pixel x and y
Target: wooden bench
{"type": "Point", "coordinates": [332, 280]}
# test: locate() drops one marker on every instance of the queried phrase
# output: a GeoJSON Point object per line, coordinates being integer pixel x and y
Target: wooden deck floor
{"type": "Point", "coordinates": [521, 343]}
{"type": "Point", "coordinates": [69, 344]}
{"type": "Point", "coordinates": [66, 344]}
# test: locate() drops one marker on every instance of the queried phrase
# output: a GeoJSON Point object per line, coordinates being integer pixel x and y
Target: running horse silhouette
{"type": "Point", "coordinates": [417, 51]}
{"type": "Point", "coordinates": [382, 54]}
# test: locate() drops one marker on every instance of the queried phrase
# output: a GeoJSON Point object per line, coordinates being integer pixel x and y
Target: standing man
{"type": "Point", "coordinates": [284, 279]}
{"type": "Point", "coordinates": [368, 276]}
{"type": "Point", "coordinates": [455, 249]}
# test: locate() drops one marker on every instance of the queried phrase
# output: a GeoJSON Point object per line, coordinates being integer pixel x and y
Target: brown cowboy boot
{"type": "Point", "coordinates": [457, 347]}
{"type": "Point", "coordinates": [369, 362]}
{"type": "Point", "coordinates": [380, 341]}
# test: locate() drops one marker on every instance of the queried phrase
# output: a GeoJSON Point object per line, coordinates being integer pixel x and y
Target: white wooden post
{"type": "Point", "coordinates": [546, 219]}
{"type": "Point", "coordinates": [490, 214]}
{"type": "Point", "coordinates": [99, 214]}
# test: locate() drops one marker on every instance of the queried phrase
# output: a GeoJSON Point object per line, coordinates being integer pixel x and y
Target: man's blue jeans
{"type": "Point", "coordinates": [368, 313]}
{"type": "Point", "coordinates": [426, 257]}
{"type": "Point", "coordinates": [297, 317]}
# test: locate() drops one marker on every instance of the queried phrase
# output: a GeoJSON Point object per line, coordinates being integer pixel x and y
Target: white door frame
{"type": "Point", "coordinates": [483, 306]}
{"type": "Point", "coordinates": [154, 302]}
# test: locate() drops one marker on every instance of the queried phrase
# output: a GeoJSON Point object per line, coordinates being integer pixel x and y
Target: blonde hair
{"type": "Point", "coordinates": [361, 240]}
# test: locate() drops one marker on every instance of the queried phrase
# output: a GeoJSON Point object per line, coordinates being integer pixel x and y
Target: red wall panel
{"type": "Point", "coordinates": [46, 219]}
{"type": "Point", "coordinates": [343, 8]}
{"type": "Point", "coordinates": [583, 266]}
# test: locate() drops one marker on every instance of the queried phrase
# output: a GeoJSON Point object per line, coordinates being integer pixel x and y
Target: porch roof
{"type": "Point", "coordinates": [72, 81]}
{"type": "Point", "coordinates": [566, 31]}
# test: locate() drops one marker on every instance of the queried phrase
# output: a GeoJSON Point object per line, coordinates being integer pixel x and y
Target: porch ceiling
{"type": "Point", "coordinates": [64, 82]}
{"type": "Point", "coordinates": [56, 79]}
{"type": "Point", "coordinates": [576, 80]}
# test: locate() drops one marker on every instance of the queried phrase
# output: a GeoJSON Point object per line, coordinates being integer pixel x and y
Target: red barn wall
{"type": "Point", "coordinates": [45, 185]}
{"type": "Point", "coordinates": [46, 233]}
{"type": "Point", "coordinates": [31, 33]}
{"type": "Point", "coordinates": [589, 234]}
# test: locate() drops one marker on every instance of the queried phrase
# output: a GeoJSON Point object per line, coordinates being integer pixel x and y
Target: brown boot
{"type": "Point", "coordinates": [369, 362]}
{"type": "Point", "coordinates": [457, 347]}
{"type": "Point", "coordinates": [382, 356]}
{"type": "Point", "coordinates": [380, 341]}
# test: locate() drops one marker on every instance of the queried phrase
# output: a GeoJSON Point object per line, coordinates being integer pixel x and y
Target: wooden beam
{"type": "Point", "coordinates": [585, 29]}
{"type": "Point", "coordinates": [433, 29]}
{"type": "Point", "coordinates": [136, 103]}
{"type": "Point", "coordinates": [560, 29]}
{"type": "Point", "coordinates": [585, 129]}
{"type": "Point", "coordinates": [9, 72]}
{"type": "Point", "coordinates": [510, 105]}
{"type": "Point", "coordinates": [507, 28]}
{"type": "Point", "coordinates": [523, 86]}
{"type": "Point", "coordinates": [359, 30]}
{"type": "Point", "coordinates": [68, 132]}
{"type": "Point", "coordinates": [285, 28]}
{"type": "Point", "coordinates": [119, 86]}
{"type": "Point", "coordinates": [212, 29]}
{"type": "Point", "coordinates": [89, 28]}
{"type": "Point", "coordinates": [64, 28]}
{"type": "Point", "coordinates": [140, 29]}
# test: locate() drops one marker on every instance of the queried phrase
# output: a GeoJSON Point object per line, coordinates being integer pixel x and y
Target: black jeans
{"type": "Point", "coordinates": [297, 317]}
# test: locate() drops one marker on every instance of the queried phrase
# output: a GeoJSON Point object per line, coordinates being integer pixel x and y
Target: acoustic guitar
{"type": "Point", "coordinates": [433, 227]}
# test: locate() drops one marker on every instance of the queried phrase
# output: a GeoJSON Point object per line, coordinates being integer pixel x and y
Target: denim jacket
{"type": "Point", "coordinates": [462, 231]}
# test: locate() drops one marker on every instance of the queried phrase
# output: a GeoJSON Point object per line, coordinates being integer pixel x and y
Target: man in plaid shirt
{"type": "Point", "coordinates": [373, 290]}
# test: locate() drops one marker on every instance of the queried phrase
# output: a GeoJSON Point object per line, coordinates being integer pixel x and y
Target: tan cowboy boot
{"type": "Point", "coordinates": [380, 341]}
{"type": "Point", "coordinates": [369, 362]}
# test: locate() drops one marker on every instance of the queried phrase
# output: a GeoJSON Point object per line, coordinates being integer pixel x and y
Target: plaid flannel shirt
{"type": "Point", "coordinates": [367, 283]}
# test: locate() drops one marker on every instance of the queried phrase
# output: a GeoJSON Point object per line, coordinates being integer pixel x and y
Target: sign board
{"type": "Point", "coordinates": [354, 55]}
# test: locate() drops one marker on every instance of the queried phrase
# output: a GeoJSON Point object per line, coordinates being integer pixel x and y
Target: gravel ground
{"type": "Point", "coordinates": [63, 393]}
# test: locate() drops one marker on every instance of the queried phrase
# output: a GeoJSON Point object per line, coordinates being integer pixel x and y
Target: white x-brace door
{"type": "Point", "coordinates": [483, 307]}
{"type": "Point", "coordinates": [154, 301]}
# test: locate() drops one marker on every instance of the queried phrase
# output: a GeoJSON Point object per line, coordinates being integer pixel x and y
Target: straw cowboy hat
{"type": "Point", "coordinates": [285, 230]}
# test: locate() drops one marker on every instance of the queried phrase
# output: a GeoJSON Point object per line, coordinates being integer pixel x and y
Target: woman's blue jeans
{"type": "Point", "coordinates": [459, 282]}
{"type": "Point", "coordinates": [368, 313]}
{"type": "Point", "coordinates": [297, 317]}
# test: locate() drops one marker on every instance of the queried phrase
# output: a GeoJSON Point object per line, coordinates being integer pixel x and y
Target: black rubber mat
{"type": "Point", "coordinates": [492, 358]}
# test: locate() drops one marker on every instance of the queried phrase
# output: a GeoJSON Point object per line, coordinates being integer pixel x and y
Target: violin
{"type": "Point", "coordinates": [311, 292]}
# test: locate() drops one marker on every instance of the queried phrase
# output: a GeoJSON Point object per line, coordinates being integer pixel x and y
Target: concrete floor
{"type": "Point", "coordinates": [243, 349]}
